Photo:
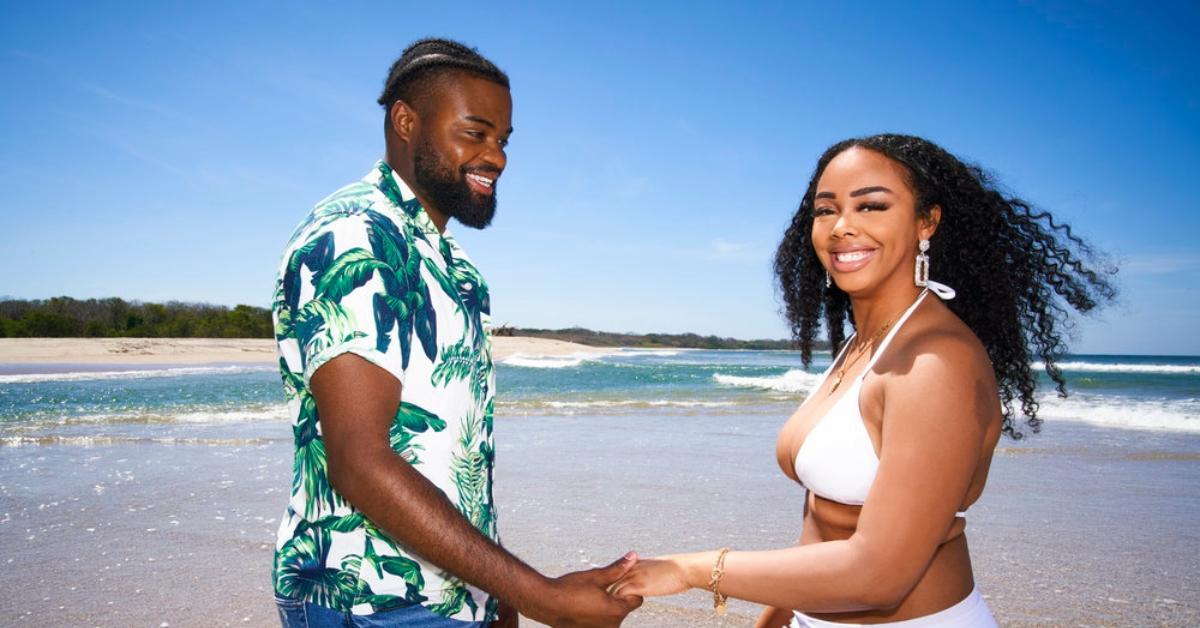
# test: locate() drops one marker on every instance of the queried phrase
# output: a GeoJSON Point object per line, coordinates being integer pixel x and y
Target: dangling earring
{"type": "Point", "coordinates": [828, 280]}
{"type": "Point", "coordinates": [921, 272]}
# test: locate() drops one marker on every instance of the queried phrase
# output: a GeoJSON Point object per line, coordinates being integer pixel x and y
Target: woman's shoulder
{"type": "Point", "coordinates": [937, 367]}
{"type": "Point", "coordinates": [937, 346]}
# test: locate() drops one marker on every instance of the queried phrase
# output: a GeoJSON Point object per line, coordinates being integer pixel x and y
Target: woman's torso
{"type": "Point", "coordinates": [850, 428]}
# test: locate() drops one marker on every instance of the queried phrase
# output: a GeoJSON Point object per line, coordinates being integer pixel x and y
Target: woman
{"type": "Point", "coordinates": [895, 443]}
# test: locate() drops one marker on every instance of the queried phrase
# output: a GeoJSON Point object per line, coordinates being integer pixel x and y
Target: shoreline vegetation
{"type": "Point", "coordinates": [159, 352]}
{"type": "Point", "coordinates": [582, 336]}
{"type": "Point", "coordinates": [66, 317]}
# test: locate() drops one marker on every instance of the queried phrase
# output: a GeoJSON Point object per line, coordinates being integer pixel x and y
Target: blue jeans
{"type": "Point", "coordinates": [301, 614]}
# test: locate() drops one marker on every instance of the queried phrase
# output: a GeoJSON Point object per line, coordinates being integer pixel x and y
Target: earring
{"type": "Point", "coordinates": [921, 272]}
{"type": "Point", "coordinates": [828, 280]}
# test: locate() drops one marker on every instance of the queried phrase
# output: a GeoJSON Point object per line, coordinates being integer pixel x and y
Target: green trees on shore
{"type": "Point", "coordinates": [647, 341]}
{"type": "Point", "coordinates": [64, 317]}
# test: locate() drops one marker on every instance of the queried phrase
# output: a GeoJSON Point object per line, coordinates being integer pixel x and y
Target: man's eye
{"type": "Point", "coordinates": [503, 143]}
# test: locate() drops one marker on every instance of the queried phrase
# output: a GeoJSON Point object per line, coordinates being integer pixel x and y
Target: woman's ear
{"type": "Point", "coordinates": [929, 223]}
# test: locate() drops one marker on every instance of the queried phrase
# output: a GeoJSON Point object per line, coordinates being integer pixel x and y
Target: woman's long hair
{"type": "Point", "coordinates": [1012, 265]}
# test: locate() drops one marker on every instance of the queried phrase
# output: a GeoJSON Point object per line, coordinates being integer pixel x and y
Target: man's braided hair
{"type": "Point", "coordinates": [426, 61]}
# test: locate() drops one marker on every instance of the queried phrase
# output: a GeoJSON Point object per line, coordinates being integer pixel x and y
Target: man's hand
{"type": "Point", "coordinates": [506, 617]}
{"type": "Point", "coordinates": [581, 600]}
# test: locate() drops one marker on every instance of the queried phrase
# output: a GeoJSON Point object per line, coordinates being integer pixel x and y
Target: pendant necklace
{"type": "Point", "coordinates": [852, 356]}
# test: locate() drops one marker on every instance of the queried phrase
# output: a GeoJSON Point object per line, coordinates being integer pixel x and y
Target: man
{"type": "Point", "coordinates": [382, 324]}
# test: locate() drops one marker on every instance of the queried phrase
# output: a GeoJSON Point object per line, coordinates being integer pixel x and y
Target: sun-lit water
{"type": "Point", "coordinates": [89, 406]}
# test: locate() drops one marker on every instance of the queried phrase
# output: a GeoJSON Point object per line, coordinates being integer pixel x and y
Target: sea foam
{"type": "Point", "coordinates": [793, 381]}
{"type": "Point", "coordinates": [1178, 415]}
{"type": "Point", "coordinates": [547, 362]}
{"type": "Point", "coordinates": [76, 376]}
{"type": "Point", "coordinates": [1101, 367]}
{"type": "Point", "coordinates": [638, 403]}
{"type": "Point", "coordinates": [214, 416]}
{"type": "Point", "coordinates": [634, 352]}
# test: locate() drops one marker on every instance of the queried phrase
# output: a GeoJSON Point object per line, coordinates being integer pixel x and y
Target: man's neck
{"type": "Point", "coordinates": [404, 169]}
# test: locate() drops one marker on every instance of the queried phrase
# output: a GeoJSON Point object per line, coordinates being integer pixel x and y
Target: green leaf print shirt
{"type": "Point", "coordinates": [368, 273]}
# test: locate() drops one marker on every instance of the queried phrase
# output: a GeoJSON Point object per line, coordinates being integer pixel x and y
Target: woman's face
{"type": "Point", "coordinates": [865, 226]}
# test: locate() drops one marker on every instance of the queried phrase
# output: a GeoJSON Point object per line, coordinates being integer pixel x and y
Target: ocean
{"type": "Point", "coordinates": [224, 403]}
{"type": "Point", "coordinates": [125, 493]}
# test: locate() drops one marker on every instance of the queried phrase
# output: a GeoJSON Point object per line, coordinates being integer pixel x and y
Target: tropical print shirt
{"type": "Point", "coordinates": [368, 273]}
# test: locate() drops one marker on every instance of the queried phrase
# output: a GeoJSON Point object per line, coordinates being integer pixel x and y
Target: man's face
{"type": "Point", "coordinates": [458, 152]}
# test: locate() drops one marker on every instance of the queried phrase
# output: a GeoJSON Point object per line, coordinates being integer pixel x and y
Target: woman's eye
{"type": "Point", "coordinates": [872, 207]}
{"type": "Point", "coordinates": [822, 211]}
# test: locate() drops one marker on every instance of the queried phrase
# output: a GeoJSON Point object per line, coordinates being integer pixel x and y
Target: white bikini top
{"type": "Point", "coordinates": [837, 460]}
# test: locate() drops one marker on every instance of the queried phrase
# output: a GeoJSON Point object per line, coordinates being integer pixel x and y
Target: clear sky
{"type": "Point", "coordinates": [164, 151]}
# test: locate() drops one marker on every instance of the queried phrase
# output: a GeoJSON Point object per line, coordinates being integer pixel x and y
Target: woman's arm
{"type": "Point", "coordinates": [935, 417]}
{"type": "Point", "coordinates": [773, 617]}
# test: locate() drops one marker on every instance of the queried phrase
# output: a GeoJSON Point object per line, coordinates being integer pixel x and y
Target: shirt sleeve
{"type": "Point", "coordinates": [339, 287]}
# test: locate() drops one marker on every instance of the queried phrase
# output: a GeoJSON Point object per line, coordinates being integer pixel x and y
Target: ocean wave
{"type": "Point", "coordinates": [793, 381]}
{"type": "Point", "coordinates": [1102, 367]}
{"type": "Point", "coordinates": [618, 407]}
{"type": "Point", "coordinates": [102, 440]}
{"type": "Point", "coordinates": [271, 413]}
{"type": "Point", "coordinates": [665, 353]}
{"type": "Point", "coordinates": [636, 403]}
{"type": "Point", "coordinates": [547, 361]}
{"type": "Point", "coordinates": [76, 376]}
{"type": "Point", "coordinates": [1178, 415]}
{"type": "Point", "coordinates": [143, 417]}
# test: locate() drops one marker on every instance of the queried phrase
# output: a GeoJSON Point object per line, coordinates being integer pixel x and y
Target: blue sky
{"type": "Point", "coordinates": [162, 151]}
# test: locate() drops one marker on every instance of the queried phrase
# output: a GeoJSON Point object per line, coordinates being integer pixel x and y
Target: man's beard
{"type": "Point", "coordinates": [449, 191]}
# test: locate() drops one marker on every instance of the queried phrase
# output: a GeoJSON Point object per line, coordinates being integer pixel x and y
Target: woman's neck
{"type": "Point", "coordinates": [883, 307]}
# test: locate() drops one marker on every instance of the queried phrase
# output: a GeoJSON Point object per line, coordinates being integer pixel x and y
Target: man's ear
{"type": "Point", "coordinates": [929, 223]}
{"type": "Point", "coordinates": [403, 119]}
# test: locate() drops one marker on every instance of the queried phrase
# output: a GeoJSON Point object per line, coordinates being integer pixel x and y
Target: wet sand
{"type": "Point", "coordinates": [1077, 527]}
{"type": "Point", "coordinates": [174, 351]}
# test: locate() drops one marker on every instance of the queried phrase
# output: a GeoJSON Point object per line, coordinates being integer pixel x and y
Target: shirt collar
{"type": "Point", "coordinates": [401, 197]}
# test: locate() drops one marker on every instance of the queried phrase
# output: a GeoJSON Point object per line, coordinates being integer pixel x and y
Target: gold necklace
{"type": "Point", "coordinates": [857, 352]}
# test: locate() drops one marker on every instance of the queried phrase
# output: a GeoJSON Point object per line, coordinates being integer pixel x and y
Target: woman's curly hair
{"type": "Point", "coordinates": [1012, 265]}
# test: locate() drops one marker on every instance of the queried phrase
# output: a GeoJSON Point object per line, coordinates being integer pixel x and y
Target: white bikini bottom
{"type": "Point", "coordinates": [972, 612]}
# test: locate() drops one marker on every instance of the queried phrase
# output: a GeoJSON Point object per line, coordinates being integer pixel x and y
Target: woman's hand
{"type": "Point", "coordinates": [774, 618]}
{"type": "Point", "coordinates": [665, 575]}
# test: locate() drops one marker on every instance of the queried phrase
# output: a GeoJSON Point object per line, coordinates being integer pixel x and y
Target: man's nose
{"type": "Point", "coordinates": [493, 155]}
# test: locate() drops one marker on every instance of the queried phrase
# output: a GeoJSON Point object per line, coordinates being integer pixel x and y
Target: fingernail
{"type": "Point", "coordinates": [630, 555]}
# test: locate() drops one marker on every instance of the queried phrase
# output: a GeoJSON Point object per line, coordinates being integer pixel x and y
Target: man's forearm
{"type": "Point", "coordinates": [412, 510]}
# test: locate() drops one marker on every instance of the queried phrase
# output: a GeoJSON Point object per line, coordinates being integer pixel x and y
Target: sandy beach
{"type": "Point", "coordinates": [135, 534]}
{"type": "Point", "coordinates": [152, 497]}
{"type": "Point", "coordinates": [133, 351]}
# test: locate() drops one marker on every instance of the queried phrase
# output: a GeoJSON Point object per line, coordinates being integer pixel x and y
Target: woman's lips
{"type": "Point", "coordinates": [851, 260]}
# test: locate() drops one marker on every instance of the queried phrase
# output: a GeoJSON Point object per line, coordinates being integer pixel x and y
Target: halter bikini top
{"type": "Point", "coordinates": [837, 460]}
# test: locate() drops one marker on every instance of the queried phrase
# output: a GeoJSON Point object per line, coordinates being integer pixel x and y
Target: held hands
{"type": "Point", "coordinates": [581, 599]}
{"type": "Point", "coordinates": [665, 575]}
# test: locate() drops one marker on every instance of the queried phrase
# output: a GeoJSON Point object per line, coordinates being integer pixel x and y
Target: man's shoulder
{"type": "Point", "coordinates": [352, 208]}
{"type": "Point", "coordinates": [349, 201]}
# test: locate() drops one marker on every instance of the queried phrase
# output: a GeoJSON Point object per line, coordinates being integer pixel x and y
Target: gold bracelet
{"type": "Point", "coordinates": [714, 582]}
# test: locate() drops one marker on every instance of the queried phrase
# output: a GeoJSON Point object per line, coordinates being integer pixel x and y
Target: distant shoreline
{"type": "Point", "coordinates": [192, 351]}
{"type": "Point", "coordinates": [592, 338]}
